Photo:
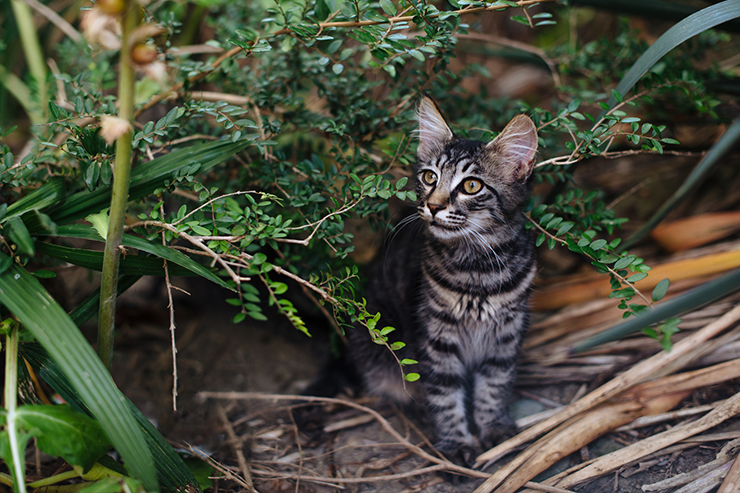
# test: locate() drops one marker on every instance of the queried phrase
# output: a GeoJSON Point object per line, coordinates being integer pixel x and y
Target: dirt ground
{"type": "Point", "coordinates": [215, 355]}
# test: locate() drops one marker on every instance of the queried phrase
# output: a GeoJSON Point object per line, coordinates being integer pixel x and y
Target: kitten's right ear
{"type": "Point", "coordinates": [433, 130]}
{"type": "Point", "coordinates": [516, 146]}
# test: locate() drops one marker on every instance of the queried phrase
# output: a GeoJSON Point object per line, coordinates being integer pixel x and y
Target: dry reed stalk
{"type": "Point", "coordinates": [695, 231]}
{"type": "Point", "coordinates": [581, 431]}
{"type": "Point", "coordinates": [591, 287]}
{"type": "Point", "coordinates": [649, 398]}
{"type": "Point", "coordinates": [663, 417]}
{"type": "Point", "coordinates": [731, 483]}
{"type": "Point", "coordinates": [621, 383]}
{"type": "Point", "coordinates": [614, 460]}
{"type": "Point", "coordinates": [701, 473]}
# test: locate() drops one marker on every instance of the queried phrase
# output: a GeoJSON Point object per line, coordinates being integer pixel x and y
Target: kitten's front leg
{"type": "Point", "coordinates": [492, 397]}
{"type": "Point", "coordinates": [446, 407]}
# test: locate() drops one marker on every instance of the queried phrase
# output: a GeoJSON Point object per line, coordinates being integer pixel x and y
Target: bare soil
{"type": "Point", "coordinates": [215, 355]}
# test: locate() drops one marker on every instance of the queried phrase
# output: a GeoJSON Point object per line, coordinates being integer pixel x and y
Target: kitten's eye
{"type": "Point", "coordinates": [472, 185]}
{"type": "Point", "coordinates": [429, 177]}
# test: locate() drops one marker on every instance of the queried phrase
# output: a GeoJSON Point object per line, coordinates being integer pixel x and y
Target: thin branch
{"type": "Point", "coordinates": [440, 464]}
{"type": "Point", "coordinates": [171, 308]}
{"type": "Point", "coordinates": [611, 271]}
{"type": "Point", "coordinates": [236, 445]}
{"type": "Point", "coordinates": [322, 25]}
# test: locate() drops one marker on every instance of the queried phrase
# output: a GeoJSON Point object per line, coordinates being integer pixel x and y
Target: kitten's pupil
{"type": "Point", "coordinates": [472, 186]}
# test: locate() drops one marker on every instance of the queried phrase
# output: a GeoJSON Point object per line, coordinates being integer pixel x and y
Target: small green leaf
{"type": "Point", "coordinates": [388, 7]}
{"type": "Point", "coordinates": [321, 10]}
{"type": "Point", "coordinates": [661, 289]}
{"type": "Point", "coordinates": [99, 222]}
{"type": "Point", "coordinates": [387, 330]}
{"type": "Point", "coordinates": [412, 377]}
{"type": "Point", "coordinates": [257, 316]}
{"type": "Point", "coordinates": [279, 287]}
{"type": "Point", "coordinates": [637, 277]}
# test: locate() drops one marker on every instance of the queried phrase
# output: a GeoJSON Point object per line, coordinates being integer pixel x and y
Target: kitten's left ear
{"type": "Point", "coordinates": [516, 146]}
{"type": "Point", "coordinates": [434, 132]}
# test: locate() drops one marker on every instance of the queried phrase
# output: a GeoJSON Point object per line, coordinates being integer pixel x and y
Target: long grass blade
{"type": "Point", "coordinates": [89, 306]}
{"type": "Point", "coordinates": [706, 293]}
{"type": "Point", "coordinates": [88, 233]}
{"type": "Point", "coordinates": [47, 194]}
{"type": "Point", "coordinates": [172, 473]}
{"type": "Point", "coordinates": [24, 296]}
{"type": "Point", "coordinates": [148, 177]}
{"type": "Point", "coordinates": [715, 155]}
{"type": "Point", "coordinates": [692, 25]}
{"type": "Point", "coordinates": [137, 265]}
{"type": "Point", "coordinates": [650, 9]}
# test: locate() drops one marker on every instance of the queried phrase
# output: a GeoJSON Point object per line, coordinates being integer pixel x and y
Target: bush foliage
{"type": "Point", "coordinates": [262, 130]}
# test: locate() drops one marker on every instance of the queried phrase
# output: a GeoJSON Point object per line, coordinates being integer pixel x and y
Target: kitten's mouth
{"type": "Point", "coordinates": [440, 225]}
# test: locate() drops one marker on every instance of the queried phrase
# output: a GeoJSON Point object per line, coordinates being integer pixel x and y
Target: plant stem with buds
{"type": "Point", "coordinates": [119, 199]}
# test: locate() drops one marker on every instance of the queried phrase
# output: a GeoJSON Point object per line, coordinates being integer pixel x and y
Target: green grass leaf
{"type": "Point", "coordinates": [136, 265]}
{"type": "Point", "coordinates": [47, 194]}
{"type": "Point", "coordinates": [706, 293]}
{"type": "Point", "coordinates": [46, 320]}
{"type": "Point", "coordinates": [88, 233]}
{"type": "Point", "coordinates": [147, 177]}
{"type": "Point", "coordinates": [689, 27]}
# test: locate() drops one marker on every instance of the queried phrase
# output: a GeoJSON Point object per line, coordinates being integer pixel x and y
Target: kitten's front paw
{"type": "Point", "coordinates": [496, 433]}
{"type": "Point", "coordinates": [462, 455]}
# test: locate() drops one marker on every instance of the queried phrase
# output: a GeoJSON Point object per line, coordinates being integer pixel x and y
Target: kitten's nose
{"type": "Point", "coordinates": [434, 208]}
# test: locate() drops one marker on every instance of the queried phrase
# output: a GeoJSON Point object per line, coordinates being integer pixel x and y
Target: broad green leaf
{"type": "Point", "coordinates": [113, 485]}
{"type": "Point", "coordinates": [47, 194]}
{"type": "Point", "coordinates": [66, 433]}
{"type": "Point", "coordinates": [147, 177]}
{"type": "Point", "coordinates": [169, 254]}
{"type": "Point", "coordinates": [173, 475]}
{"type": "Point", "coordinates": [137, 265]}
{"type": "Point", "coordinates": [46, 320]}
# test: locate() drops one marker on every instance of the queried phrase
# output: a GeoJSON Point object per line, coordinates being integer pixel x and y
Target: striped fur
{"type": "Point", "coordinates": [455, 282]}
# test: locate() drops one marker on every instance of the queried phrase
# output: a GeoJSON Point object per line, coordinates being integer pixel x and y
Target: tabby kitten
{"type": "Point", "coordinates": [457, 288]}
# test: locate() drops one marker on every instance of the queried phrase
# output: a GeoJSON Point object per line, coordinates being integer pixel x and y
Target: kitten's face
{"type": "Point", "coordinates": [467, 188]}
{"type": "Point", "coordinates": [456, 192]}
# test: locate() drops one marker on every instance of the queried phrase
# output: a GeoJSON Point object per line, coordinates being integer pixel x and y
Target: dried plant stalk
{"type": "Point", "coordinates": [580, 432]}
{"type": "Point", "coordinates": [645, 399]}
{"type": "Point", "coordinates": [621, 383]}
{"type": "Point", "coordinates": [611, 462]}
{"type": "Point", "coordinates": [591, 287]}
